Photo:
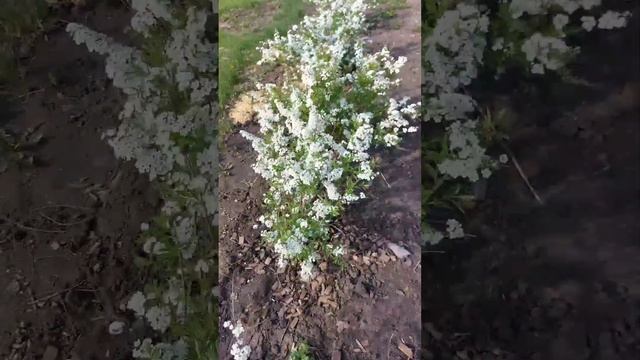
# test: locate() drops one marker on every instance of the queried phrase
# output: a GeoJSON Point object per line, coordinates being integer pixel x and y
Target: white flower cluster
{"type": "Point", "coordinates": [318, 128]}
{"type": "Point", "coordinates": [453, 52]}
{"type": "Point", "coordinates": [454, 229]}
{"type": "Point", "coordinates": [454, 49]}
{"type": "Point", "coordinates": [168, 128]}
{"type": "Point", "coordinates": [239, 351]}
{"type": "Point", "coordinates": [146, 349]}
{"type": "Point", "coordinates": [550, 52]}
{"type": "Point", "coordinates": [545, 52]}
{"type": "Point", "coordinates": [157, 310]}
{"type": "Point", "coordinates": [169, 104]}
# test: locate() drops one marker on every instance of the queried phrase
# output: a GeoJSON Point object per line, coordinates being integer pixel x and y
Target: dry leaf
{"type": "Point", "coordinates": [405, 350]}
{"type": "Point", "coordinates": [243, 110]}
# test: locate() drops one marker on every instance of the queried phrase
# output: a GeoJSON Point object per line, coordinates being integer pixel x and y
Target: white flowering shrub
{"type": "Point", "coordinates": [463, 38]}
{"type": "Point", "coordinates": [168, 129]}
{"type": "Point", "coordinates": [319, 127]}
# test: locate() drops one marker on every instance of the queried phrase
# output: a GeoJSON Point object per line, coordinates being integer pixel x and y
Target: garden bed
{"type": "Point", "coordinates": [70, 220]}
{"type": "Point", "coordinates": [367, 309]}
{"type": "Point", "coordinates": [557, 280]}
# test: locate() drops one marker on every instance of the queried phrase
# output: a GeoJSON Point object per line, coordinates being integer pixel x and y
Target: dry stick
{"type": "Point", "coordinates": [337, 229]}
{"type": "Point", "coordinates": [389, 345]}
{"type": "Point", "coordinates": [45, 298]}
{"type": "Point", "coordinates": [29, 93]}
{"type": "Point", "coordinates": [63, 206]}
{"type": "Point", "coordinates": [522, 175]}
{"type": "Point", "coordinates": [385, 179]}
{"type": "Point", "coordinates": [25, 227]}
{"type": "Point", "coordinates": [64, 224]}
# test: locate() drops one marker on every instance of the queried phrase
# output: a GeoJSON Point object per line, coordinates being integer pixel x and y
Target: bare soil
{"type": "Point", "coordinates": [368, 310]}
{"type": "Point", "coordinates": [249, 20]}
{"type": "Point", "coordinates": [68, 223]}
{"type": "Point", "coordinates": [559, 280]}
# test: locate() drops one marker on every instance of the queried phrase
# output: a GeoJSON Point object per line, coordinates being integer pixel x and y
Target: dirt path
{"type": "Point", "coordinates": [69, 224]}
{"type": "Point", "coordinates": [369, 310]}
{"type": "Point", "coordinates": [560, 280]}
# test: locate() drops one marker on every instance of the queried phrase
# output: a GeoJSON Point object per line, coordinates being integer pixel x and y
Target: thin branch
{"type": "Point", "coordinates": [522, 175]}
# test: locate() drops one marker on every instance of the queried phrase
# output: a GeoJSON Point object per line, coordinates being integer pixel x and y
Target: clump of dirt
{"type": "Point", "coordinates": [68, 223]}
{"type": "Point", "coordinates": [363, 310]}
{"type": "Point", "coordinates": [558, 280]}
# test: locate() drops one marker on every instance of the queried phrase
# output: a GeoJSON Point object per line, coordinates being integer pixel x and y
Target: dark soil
{"type": "Point", "coordinates": [68, 223]}
{"type": "Point", "coordinates": [559, 280]}
{"type": "Point", "coordinates": [365, 311]}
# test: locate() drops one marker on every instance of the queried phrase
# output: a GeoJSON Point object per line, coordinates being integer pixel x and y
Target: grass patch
{"type": "Point", "coordinates": [238, 50]}
{"type": "Point", "coordinates": [227, 5]}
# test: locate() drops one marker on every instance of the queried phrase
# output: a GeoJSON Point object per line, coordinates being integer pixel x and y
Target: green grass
{"type": "Point", "coordinates": [226, 5]}
{"type": "Point", "coordinates": [238, 50]}
{"type": "Point", "coordinates": [301, 352]}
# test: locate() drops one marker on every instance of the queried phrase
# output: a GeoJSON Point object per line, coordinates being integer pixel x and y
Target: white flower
{"type": "Point", "coordinates": [498, 44]}
{"type": "Point", "coordinates": [136, 303]}
{"type": "Point", "coordinates": [237, 330]}
{"type": "Point", "coordinates": [545, 52]}
{"type": "Point", "coordinates": [337, 251]}
{"type": "Point", "coordinates": [454, 229]}
{"type": "Point", "coordinates": [588, 22]}
{"type": "Point", "coordinates": [240, 352]}
{"type": "Point", "coordinates": [613, 20]}
{"type": "Point", "coordinates": [202, 267]}
{"type": "Point", "coordinates": [469, 156]}
{"type": "Point", "coordinates": [159, 318]}
{"type": "Point", "coordinates": [560, 21]}
{"type": "Point", "coordinates": [432, 237]}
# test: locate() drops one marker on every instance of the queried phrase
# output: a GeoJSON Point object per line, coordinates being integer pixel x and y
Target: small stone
{"type": "Point", "coordinates": [398, 250]}
{"type": "Point", "coordinates": [50, 353]}
{"type": "Point", "coordinates": [13, 287]}
{"type": "Point", "coordinates": [116, 328]}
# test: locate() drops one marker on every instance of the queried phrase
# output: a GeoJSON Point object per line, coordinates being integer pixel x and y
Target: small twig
{"type": "Point", "coordinates": [360, 346]}
{"type": "Point", "coordinates": [385, 179]}
{"type": "Point", "coordinates": [64, 224]}
{"type": "Point", "coordinates": [25, 227]}
{"type": "Point", "coordinates": [50, 296]}
{"type": "Point", "coordinates": [522, 175]}
{"type": "Point", "coordinates": [29, 93]}
{"type": "Point", "coordinates": [337, 229]}
{"type": "Point", "coordinates": [63, 206]}
{"type": "Point", "coordinates": [389, 345]}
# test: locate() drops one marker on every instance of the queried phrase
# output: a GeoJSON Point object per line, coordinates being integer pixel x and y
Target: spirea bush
{"type": "Point", "coordinates": [465, 37]}
{"type": "Point", "coordinates": [167, 129]}
{"type": "Point", "coordinates": [318, 128]}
